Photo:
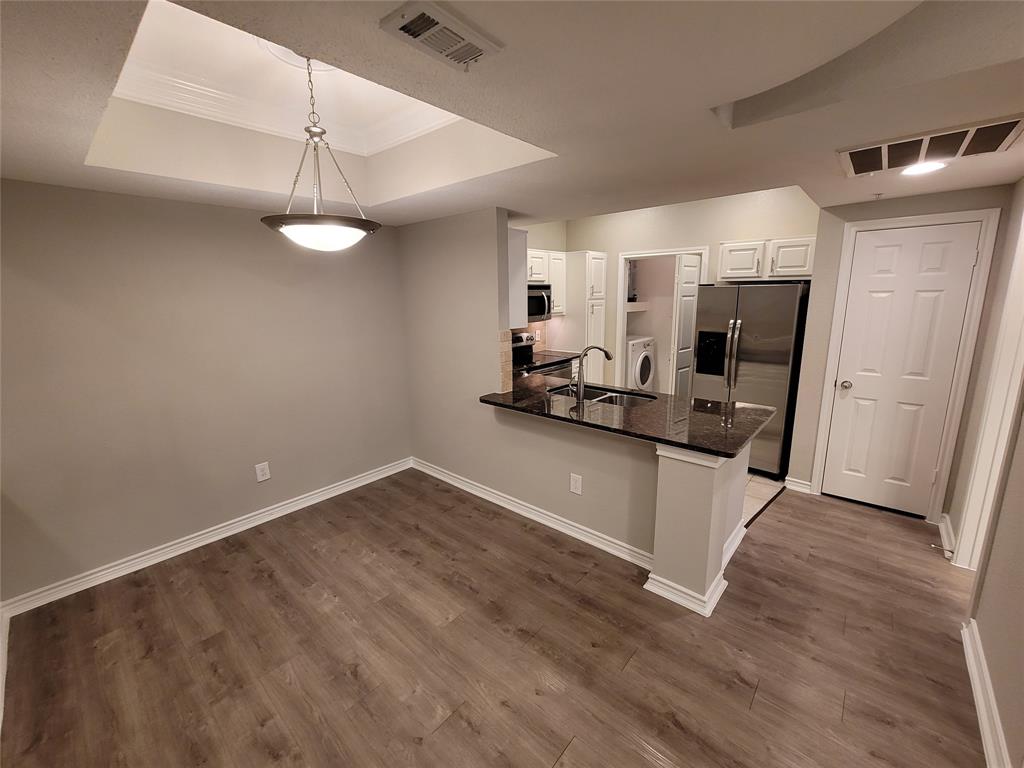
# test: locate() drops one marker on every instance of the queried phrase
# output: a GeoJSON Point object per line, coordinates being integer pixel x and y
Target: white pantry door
{"type": "Point", "coordinates": [904, 317]}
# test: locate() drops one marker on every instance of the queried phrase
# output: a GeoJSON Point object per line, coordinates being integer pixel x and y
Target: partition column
{"type": "Point", "coordinates": [700, 505]}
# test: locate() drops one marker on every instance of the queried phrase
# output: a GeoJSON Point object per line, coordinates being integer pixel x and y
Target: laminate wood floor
{"type": "Point", "coordinates": [410, 624]}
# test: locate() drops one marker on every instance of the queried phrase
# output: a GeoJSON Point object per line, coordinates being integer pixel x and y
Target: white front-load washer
{"type": "Point", "coordinates": [640, 359]}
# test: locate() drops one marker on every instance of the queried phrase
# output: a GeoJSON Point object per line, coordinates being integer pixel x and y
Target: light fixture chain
{"type": "Point", "coordinates": [314, 118]}
{"type": "Point", "coordinates": [319, 230]}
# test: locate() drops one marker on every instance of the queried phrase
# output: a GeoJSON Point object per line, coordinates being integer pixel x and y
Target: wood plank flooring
{"type": "Point", "coordinates": [409, 624]}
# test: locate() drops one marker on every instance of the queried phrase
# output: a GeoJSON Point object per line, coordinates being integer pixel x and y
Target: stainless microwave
{"type": "Point", "coordinates": [538, 302]}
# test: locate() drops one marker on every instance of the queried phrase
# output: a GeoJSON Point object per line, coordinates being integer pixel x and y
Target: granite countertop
{"type": "Point", "coordinates": [706, 426]}
{"type": "Point", "coordinates": [546, 359]}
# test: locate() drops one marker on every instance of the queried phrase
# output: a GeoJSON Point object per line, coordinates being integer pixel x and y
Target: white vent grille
{"type": "Point", "coordinates": [947, 144]}
{"type": "Point", "coordinates": [439, 34]}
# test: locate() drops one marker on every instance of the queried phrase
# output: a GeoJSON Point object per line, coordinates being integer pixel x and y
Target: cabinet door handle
{"type": "Point", "coordinates": [773, 265]}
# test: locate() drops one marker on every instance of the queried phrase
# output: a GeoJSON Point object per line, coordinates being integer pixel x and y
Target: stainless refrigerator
{"type": "Point", "coordinates": [748, 342]}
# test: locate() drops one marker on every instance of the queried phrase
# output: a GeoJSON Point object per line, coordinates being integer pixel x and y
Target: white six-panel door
{"type": "Point", "coordinates": [904, 318]}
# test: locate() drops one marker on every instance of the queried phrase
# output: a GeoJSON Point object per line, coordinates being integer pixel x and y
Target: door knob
{"type": "Point", "coordinates": [846, 384]}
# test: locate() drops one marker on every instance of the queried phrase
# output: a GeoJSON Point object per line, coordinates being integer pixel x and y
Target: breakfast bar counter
{"type": "Point", "coordinates": [703, 450]}
{"type": "Point", "coordinates": [705, 426]}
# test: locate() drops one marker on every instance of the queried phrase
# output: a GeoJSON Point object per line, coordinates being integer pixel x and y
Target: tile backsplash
{"type": "Point", "coordinates": [505, 360]}
{"type": "Point", "coordinates": [539, 330]}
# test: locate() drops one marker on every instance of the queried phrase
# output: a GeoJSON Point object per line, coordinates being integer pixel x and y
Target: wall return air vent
{"type": "Point", "coordinates": [948, 144]}
{"type": "Point", "coordinates": [438, 33]}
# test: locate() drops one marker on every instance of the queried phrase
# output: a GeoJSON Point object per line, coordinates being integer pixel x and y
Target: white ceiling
{"type": "Point", "coordinates": [250, 83]}
{"type": "Point", "coordinates": [621, 92]}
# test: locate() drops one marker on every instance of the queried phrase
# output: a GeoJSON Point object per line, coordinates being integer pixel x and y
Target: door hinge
{"type": "Point", "coordinates": [977, 255]}
{"type": "Point", "coordinates": [935, 476]}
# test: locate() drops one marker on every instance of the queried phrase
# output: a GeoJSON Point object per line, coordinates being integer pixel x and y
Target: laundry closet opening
{"type": "Point", "coordinates": [656, 320]}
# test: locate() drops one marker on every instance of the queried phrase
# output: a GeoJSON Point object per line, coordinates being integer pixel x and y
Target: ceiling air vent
{"type": "Point", "coordinates": [990, 136]}
{"type": "Point", "coordinates": [439, 34]}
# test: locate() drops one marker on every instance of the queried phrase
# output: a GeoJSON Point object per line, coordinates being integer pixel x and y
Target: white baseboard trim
{"type": "Point", "coordinates": [702, 604]}
{"type": "Point", "coordinates": [800, 486]}
{"type": "Point", "coordinates": [69, 586]}
{"type": "Point", "coordinates": [997, 755]}
{"type": "Point", "coordinates": [588, 535]}
{"type": "Point", "coordinates": [5, 627]}
{"type": "Point", "coordinates": [947, 535]}
{"type": "Point", "coordinates": [732, 543]}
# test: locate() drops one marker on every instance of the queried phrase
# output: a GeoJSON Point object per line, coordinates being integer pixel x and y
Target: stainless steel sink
{"type": "Point", "coordinates": [602, 395]}
{"type": "Point", "coordinates": [589, 393]}
{"type": "Point", "coordinates": [616, 398]}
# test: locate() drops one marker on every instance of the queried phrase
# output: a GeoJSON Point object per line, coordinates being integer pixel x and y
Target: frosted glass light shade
{"type": "Point", "coordinates": [322, 237]}
{"type": "Point", "coordinates": [321, 231]}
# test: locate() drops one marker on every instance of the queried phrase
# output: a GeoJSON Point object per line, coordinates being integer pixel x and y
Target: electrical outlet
{"type": "Point", "coordinates": [576, 484]}
{"type": "Point", "coordinates": [262, 471]}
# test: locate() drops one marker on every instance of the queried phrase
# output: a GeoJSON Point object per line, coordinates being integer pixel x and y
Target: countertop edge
{"type": "Point", "coordinates": [618, 431]}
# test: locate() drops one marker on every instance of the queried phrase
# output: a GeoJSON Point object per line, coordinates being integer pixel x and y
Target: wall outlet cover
{"type": "Point", "coordinates": [262, 471]}
{"type": "Point", "coordinates": [576, 484]}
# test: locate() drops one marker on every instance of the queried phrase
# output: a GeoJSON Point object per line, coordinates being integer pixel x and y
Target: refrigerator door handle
{"type": "Point", "coordinates": [735, 351]}
{"type": "Point", "coordinates": [728, 355]}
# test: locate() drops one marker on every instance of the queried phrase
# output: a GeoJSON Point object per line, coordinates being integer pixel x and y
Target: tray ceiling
{"type": "Point", "coordinates": [186, 62]}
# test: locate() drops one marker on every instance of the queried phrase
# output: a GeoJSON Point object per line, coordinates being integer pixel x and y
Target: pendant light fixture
{"type": "Point", "coordinates": [318, 230]}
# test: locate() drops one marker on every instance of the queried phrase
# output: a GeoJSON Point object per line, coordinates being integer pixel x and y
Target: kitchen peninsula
{"type": "Point", "coordinates": [703, 449]}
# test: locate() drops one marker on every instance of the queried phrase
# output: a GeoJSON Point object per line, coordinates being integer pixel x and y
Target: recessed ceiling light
{"type": "Point", "coordinates": [929, 166]}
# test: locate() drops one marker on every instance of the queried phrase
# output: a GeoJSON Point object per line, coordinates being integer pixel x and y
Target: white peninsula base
{"type": "Point", "coordinates": [698, 525]}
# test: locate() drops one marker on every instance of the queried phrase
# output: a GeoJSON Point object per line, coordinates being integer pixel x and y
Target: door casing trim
{"type": "Point", "coordinates": [702, 251]}
{"type": "Point", "coordinates": [989, 220]}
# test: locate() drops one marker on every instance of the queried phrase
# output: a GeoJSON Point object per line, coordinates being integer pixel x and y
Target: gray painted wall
{"type": "Point", "coordinates": [822, 302]}
{"type": "Point", "coordinates": [549, 236]}
{"type": "Point", "coordinates": [154, 351]}
{"type": "Point", "coordinates": [523, 456]}
{"type": "Point", "coordinates": [999, 605]}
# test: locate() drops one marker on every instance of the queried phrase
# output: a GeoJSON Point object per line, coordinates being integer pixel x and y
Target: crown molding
{"type": "Point", "coordinates": [165, 90]}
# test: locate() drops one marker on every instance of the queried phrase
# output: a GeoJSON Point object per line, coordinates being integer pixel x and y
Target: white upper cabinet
{"type": "Point", "coordinates": [557, 278]}
{"type": "Point", "coordinates": [537, 266]}
{"type": "Point", "coordinates": [597, 275]}
{"type": "Point", "coordinates": [741, 261]}
{"type": "Point", "coordinates": [792, 257]}
{"type": "Point", "coordinates": [780, 259]}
